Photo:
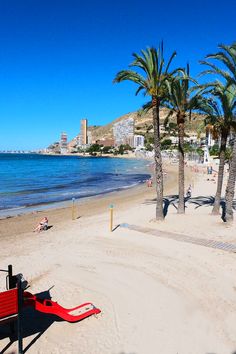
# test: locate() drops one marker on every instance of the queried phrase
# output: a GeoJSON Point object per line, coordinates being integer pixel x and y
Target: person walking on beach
{"type": "Point", "coordinates": [149, 182]}
{"type": "Point", "coordinates": [189, 192]}
{"type": "Point", "coordinates": [42, 225]}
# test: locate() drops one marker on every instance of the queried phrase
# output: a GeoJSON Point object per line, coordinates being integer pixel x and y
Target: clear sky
{"type": "Point", "coordinates": [58, 58]}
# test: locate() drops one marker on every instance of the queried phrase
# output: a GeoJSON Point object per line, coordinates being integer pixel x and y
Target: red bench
{"type": "Point", "coordinates": [10, 307]}
{"type": "Point", "coordinates": [8, 304]}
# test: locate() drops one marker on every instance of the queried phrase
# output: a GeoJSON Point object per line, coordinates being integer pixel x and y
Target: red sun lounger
{"type": "Point", "coordinates": [74, 314]}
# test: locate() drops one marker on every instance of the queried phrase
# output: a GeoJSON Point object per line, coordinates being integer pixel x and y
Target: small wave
{"type": "Point", "coordinates": [13, 208]}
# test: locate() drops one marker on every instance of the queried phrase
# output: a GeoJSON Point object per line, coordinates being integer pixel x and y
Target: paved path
{"type": "Point", "coordinates": [225, 246]}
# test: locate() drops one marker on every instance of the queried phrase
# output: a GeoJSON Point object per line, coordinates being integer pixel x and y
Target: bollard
{"type": "Point", "coordinates": [111, 217]}
{"type": "Point", "coordinates": [73, 208]}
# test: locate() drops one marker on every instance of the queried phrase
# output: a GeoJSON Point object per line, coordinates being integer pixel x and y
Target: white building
{"type": "Point", "coordinates": [138, 141]}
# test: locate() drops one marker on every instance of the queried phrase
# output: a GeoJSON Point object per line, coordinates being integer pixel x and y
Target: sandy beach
{"type": "Point", "coordinates": [157, 294]}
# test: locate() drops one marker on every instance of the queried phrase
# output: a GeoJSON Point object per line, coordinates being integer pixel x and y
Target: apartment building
{"type": "Point", "coordinates": [84, 131]}
{"type": "Point", "coordinates": [123, 132]}
{"type": "Point", "coordinates": [63, 143]}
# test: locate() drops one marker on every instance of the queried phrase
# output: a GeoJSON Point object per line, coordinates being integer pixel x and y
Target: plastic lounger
{"type": "Point", "coordinates": [51, 307]}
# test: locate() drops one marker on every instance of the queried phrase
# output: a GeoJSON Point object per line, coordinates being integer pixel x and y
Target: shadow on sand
{"type": "Point", "coordinates": [209, 201]}
{"type": "Point", "coordinates": [33, 322]}
{"type": "Point", "coordinates": [198, 201]}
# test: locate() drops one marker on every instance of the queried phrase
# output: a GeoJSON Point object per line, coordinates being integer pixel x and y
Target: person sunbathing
{"type": "Point", "coordinates": [43, 225]}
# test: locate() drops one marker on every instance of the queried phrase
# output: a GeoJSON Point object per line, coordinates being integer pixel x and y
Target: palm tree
{"type": "Point", "coordinates": [219, 109]}
{"type": "Point", "coordinates": [180, 103]}
{"type": "Point", "coordinates": [226, 56]}
{"type": "Point", "coordinates": [153, 83]}
{"type": "Point", "coordinates": [230, 188]}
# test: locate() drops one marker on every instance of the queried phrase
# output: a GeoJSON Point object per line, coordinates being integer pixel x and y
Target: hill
{"type": "Point", "coordinates": [142, 123]}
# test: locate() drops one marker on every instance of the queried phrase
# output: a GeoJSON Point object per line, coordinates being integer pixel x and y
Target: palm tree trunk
{"type": "Point", "coordinates": [230, 189]}
{"type": "Point", "coordinates": [158, 159]}
{"type": "Point", "coordinates": [216, 207]}
{"type": "Point", "coordinates": [180, 121]}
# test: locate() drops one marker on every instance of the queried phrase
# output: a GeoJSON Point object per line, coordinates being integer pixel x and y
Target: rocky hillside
{"type": "Point", "coordinates": [143, 122]}
{"type": "Point", "coordinates": [143, 125]}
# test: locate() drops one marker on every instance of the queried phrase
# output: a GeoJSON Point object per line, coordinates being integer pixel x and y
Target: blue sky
{"type": "Point", "coordinates": [58, 58]}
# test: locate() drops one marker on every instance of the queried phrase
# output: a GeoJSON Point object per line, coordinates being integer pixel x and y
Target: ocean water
{"type": "Point", "coordinates": [31, 180]}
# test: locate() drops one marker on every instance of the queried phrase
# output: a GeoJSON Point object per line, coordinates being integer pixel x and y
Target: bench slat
{"type": "Point", "coordinates": [8, 303]}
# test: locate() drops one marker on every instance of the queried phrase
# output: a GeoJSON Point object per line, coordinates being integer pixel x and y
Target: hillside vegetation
{"type": "Point", "coordinates": [143, 124]}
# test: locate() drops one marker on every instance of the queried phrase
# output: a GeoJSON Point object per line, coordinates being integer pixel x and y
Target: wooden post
{"type": "Point", "coordinates": [111, 217]}
{"type": "Point", "coordinates": [19, 320]}
{"type": "Point", "coordinates": [73, 208]}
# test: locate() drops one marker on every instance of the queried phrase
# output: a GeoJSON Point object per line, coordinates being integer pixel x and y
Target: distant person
{"type": "Point", "coordinates": [149, 182]}
{"type": "Point", "coordinates": [42, 226]}
{"type": "Point", "coordinates": [189, 192]}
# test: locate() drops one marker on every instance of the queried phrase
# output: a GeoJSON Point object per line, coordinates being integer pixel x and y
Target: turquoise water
{"type": "Point", "coordinates": [30, 180]}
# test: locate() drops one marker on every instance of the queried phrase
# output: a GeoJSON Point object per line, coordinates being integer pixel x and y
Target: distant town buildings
{"type": "Point", "coordinates": [63, 143]}
{"type": "Point", "coordinates": [123, 132]}
{"type": "Point", "coordinates": [84, 131]}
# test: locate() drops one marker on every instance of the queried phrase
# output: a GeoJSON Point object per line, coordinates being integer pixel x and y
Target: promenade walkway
{"type": "Point", "coordinates": [225, 246]}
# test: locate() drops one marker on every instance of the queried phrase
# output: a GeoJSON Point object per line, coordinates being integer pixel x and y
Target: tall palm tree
{"type": "Point", "coordinates": [230, 188]}
{"type": "Point", "coordinates": [227, 57]}
{"type": "Point", "coordinates": [180, 102]}
{"type": "Point", "coordinates": [151, 64]}
{"type": "Point", "coordinates": [219, 109]}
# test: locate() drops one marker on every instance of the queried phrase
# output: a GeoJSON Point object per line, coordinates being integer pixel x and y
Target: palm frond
{"type": "Point", "coordinates": [215, 70]}
{"type": "Point", "coordinates": [170, 61]}
{"type": "Point", "coordinates": [147, 106]}
{"type": "Point", "coordinates": [130, 75]}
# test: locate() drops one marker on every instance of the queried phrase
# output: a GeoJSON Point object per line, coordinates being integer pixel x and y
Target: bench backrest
{"type": "Point", "coordinates": [8, 303]}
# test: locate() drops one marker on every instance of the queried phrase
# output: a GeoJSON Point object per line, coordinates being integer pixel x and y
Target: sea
{"type": "Point", "coordinates": [33, 181]}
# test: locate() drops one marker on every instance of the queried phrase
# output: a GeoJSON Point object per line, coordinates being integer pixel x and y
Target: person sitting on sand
{"type": "Point", "coordinates": [43, 225]}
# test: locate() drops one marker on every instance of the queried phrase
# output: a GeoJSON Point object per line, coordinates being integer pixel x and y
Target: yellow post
{"type": "Point", "coordinates": [111, 218]}
{"type": "Point", "coordinates": [73, 208]}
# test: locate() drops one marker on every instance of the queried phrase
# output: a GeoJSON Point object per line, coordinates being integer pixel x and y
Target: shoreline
{"type": "Point", "coordinates": [57, 213]}
{"type": "Point", "coordinates": [18, 211]}
{"type": "Point", "coordinates": [33, 205]}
